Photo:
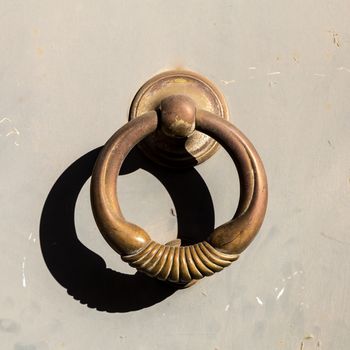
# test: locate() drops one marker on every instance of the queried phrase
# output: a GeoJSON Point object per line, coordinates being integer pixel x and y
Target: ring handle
{"type": "Point", "coordinates": [171, 262]}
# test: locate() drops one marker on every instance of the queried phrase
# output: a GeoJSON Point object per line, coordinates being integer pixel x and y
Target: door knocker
{"type": "Point", "coordinates": [180, 117]}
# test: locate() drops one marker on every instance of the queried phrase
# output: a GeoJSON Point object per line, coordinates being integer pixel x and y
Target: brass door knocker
{"type": "Point", "coordinates": [179, 114]}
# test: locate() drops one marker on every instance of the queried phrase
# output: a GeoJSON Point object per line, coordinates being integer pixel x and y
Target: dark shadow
{"type": "Point", "coordinates": [190, 195]}
{"type": "Point", "coordinates": [84, 273]}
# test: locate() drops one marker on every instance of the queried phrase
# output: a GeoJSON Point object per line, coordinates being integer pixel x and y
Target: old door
{"type": "Point", "coordinates": [68, 74]}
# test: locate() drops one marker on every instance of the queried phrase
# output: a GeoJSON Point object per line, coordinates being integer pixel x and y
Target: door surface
{"type": "Point", "coordinates": [68, 73]}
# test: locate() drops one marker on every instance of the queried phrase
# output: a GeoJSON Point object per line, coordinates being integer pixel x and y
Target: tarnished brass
{"type": "Point", "coordinates": [173, 262]}
{"type": "Point", "coordinates": [178, 116]}
{"type": "Point", "coordinates": [178, 152]}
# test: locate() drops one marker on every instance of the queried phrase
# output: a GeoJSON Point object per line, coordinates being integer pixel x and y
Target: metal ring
{"type": "Point", "coordinates": [179, 264]}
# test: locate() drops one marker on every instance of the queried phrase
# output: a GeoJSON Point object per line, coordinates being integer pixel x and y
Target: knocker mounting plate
{"type": "Point", "coordinates": [179, 152]}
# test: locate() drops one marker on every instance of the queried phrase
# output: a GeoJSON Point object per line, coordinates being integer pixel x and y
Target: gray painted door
{"type": "Point", "coordinates": [68, 73]}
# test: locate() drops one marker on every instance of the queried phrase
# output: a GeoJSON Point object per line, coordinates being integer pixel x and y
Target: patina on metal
{"type": "Point", "coordinates": [173, 262]}
{"type": "Point", "coordinates": [178, 114]}
{"type": "Point", "coordinates": [179, 152]}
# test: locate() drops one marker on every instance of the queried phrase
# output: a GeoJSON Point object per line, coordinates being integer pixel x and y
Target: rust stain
{"type": "Point", "coordinates": [39, 51]}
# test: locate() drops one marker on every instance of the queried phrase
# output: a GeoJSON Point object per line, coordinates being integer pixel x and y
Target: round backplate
{"type": "Point", "coordinates": [178, 152]}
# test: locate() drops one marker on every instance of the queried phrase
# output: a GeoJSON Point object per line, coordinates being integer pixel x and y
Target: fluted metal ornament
{"type": "Point", "coordinates": [180, 264]}
{"type": "Point", "coordinates": [171, 262]}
